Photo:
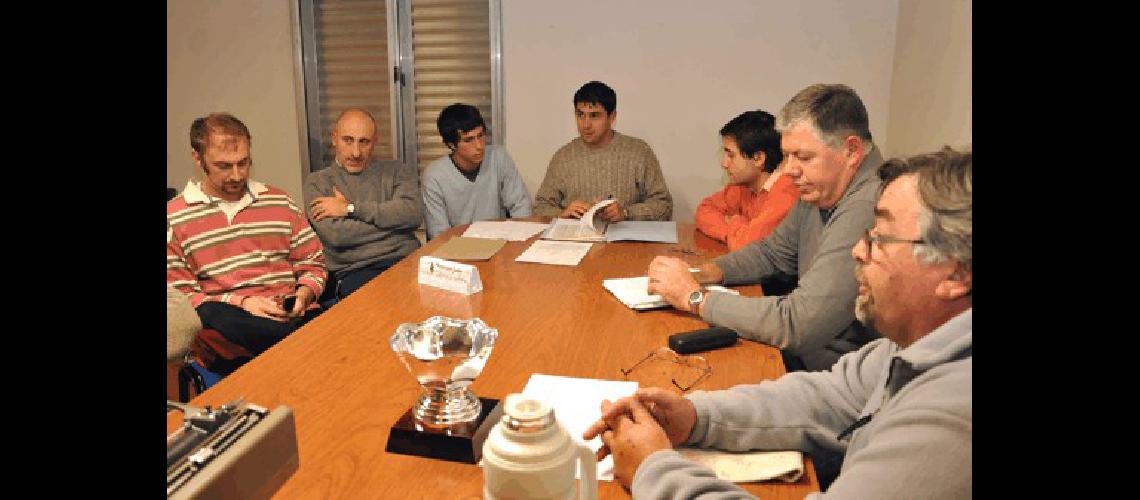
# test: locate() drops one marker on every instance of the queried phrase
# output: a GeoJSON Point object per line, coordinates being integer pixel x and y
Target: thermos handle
{"type": "Point", "coordinates": [588, 465]}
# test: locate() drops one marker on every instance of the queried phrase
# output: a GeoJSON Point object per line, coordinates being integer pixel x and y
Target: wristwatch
{"type": "Point", "coordinates": [695, 299]}
{"type": "Point", "coordinates": [351, 208]}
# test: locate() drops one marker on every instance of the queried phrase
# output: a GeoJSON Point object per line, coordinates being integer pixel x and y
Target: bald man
{"type": "Point", "coordinates": [364, 212]}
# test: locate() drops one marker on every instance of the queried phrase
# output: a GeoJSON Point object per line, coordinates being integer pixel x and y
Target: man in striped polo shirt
{"type": "Point", "coordinates": [238, 248]}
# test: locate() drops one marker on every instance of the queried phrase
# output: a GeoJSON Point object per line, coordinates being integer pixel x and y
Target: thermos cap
{"type": "Point", "coordinates": [526, 414]}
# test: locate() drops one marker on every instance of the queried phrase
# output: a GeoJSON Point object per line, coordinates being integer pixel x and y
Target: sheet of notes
{"type": "Point", "coordinates": [577, 403]}
{"type": "Point", "coordinates": [509, 230]}
{"type": "Point", "coordinates": [562, 253]}
{"type": "Point", "coordinates": [572, 230]}
{"type": "Point", "coordinates": [633, 292]}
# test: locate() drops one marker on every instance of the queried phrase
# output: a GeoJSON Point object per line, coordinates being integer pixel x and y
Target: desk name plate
{"type": "Point", "coordinates": [448, 275]}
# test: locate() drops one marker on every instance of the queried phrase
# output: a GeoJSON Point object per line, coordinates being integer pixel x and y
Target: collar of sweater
{"type": "Point", "coordinates": [950, 341]}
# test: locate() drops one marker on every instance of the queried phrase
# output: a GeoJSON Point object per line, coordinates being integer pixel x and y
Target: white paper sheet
{"type": "Point", "coordinates": [598, 224]}
{"type": "Point", "coordinates": [577, 403]}
{"type": "Point", "coordinates": [562, 253]}
{"type": "Point", "coordinates": [509, 230]}
{"type": "Point", "coordinates": [632, 292]}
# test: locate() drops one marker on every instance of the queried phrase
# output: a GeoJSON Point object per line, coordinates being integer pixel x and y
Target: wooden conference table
{"type": "Point", "coordinates": [346, 386]}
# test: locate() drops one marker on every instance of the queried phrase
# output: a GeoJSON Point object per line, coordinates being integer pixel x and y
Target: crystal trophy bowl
{"type": "Point", "coordinates": [445, 355]}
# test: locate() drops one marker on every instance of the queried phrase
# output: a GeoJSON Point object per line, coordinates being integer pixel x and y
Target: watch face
{"type": "Point", "coordinates": [695, 297]}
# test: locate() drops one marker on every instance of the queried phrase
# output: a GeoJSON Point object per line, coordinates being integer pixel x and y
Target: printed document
{"type": "Point", "coordinates": [598, 230]}
{"type": "Point", "coordinates": [510, 230]}
{"type": "Point", "coordinates": [588, 228]}
{"type": "Point", "coordinates": [562, 253]}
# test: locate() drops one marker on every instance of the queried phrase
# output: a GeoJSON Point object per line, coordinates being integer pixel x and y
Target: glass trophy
{"type": "Point", "coordinates": [445, 355]}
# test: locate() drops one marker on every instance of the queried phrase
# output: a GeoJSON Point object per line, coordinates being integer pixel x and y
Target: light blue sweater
{"type": "Point", "coordinates": [451, 200]}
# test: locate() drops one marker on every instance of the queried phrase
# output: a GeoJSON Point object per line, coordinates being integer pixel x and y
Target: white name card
{"type": "Point", "coordinates": [448, 275]}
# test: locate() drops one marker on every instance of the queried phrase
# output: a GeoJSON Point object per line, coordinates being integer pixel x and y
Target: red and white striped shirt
{"type": "Point", "coordinates": [266, 249]}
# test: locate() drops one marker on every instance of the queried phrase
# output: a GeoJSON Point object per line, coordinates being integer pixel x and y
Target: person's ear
{"type": "Point", "coordinates": [758, 159]}
{"type": "Point", "coordinates": [198, 160]}
{"type": "Point", "coordinates": [613, 117]}
{"type": "Point", "coordinates": [854, 150]}
{"type": "Point", "coordinates": [958, 284]}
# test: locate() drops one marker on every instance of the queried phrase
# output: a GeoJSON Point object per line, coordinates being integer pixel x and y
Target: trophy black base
{"type": "Point", "coordinates": [455, 444]}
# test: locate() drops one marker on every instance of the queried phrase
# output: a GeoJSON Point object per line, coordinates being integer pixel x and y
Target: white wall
{"type": "Point", "coordinates": [931, 96]}
{"type": "Point", "coordinates": [682, 69]}
{"type": "Point", "coordinates": [234, 56]}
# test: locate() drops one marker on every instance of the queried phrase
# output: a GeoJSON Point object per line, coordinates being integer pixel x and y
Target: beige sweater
{"type": "Point", "coordinates": [626, 169]}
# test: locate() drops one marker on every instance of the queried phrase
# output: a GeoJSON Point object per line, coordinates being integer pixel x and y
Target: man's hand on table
{"type": "Point", "coordinates": [635, 427]}
{"type": "Point", "coordinates": [670, 277]}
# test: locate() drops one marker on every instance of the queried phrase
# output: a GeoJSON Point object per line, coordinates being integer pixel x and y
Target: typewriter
{"type": "Point", "coordinates": [239, 450]}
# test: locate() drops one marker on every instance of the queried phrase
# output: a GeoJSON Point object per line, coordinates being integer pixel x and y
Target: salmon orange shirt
{"type": "Point", "coordinates": [738, 215]}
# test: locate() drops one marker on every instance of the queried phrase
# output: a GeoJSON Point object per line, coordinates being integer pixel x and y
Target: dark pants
{"type": "Point", "coordinates": [792, 363]}
{"type": "Point", "coordinates": [339, 288]}
{"type": "Point", "coordinates": [254, 333]}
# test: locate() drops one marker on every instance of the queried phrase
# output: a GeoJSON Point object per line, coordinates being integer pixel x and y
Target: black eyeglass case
{"type": "Point", "coordinates": [702, 340]}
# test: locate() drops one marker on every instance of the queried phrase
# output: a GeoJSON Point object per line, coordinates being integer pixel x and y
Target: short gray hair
{"type": "Point", "coordinates": [833, 110]}
{"type": "Point", "coordinates": [945, 189]}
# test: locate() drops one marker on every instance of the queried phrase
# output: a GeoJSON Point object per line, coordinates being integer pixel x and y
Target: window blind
{"type": "Point", "coordinates": [354, 70]}
{"type": "Point", "coordinates": [451, 48]}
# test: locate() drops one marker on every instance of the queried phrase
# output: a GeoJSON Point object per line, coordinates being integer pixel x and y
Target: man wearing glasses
{"type": "Point", "coordinates": [829, 156]}
{"type": "Point", "coordinates": [898, 412]}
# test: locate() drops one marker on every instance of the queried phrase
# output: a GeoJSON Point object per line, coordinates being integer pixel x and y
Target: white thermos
{"type": "Point", "coordinates": [528, 454]}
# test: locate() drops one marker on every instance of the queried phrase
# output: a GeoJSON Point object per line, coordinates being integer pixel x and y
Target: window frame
{"type": "Point", "coordinates": [400, 49]}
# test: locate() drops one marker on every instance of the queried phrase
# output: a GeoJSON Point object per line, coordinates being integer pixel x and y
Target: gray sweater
{"type": "Point", "coordinates": [388, 209]}
{"type": "Point", "coordinates": [917, 445]}
{"type": "Point", "coordinates": [626, 169]}
{"type": "Point", "coordinates": [452, 200]}
{"type": "Point", "coordinates": [816, 321]}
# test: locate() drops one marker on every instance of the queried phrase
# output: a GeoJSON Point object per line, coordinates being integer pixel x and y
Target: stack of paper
{"type": "Point", "coordinates": [632, 292]}
{"type": "Point", "coordinates": [572, 230]}
{"type": "Point", "coordinates": [562, 253]}
{"type": "Point", "coordinates": [626, 230]}
{"type": "Point", "coordinates": [511, 230]}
